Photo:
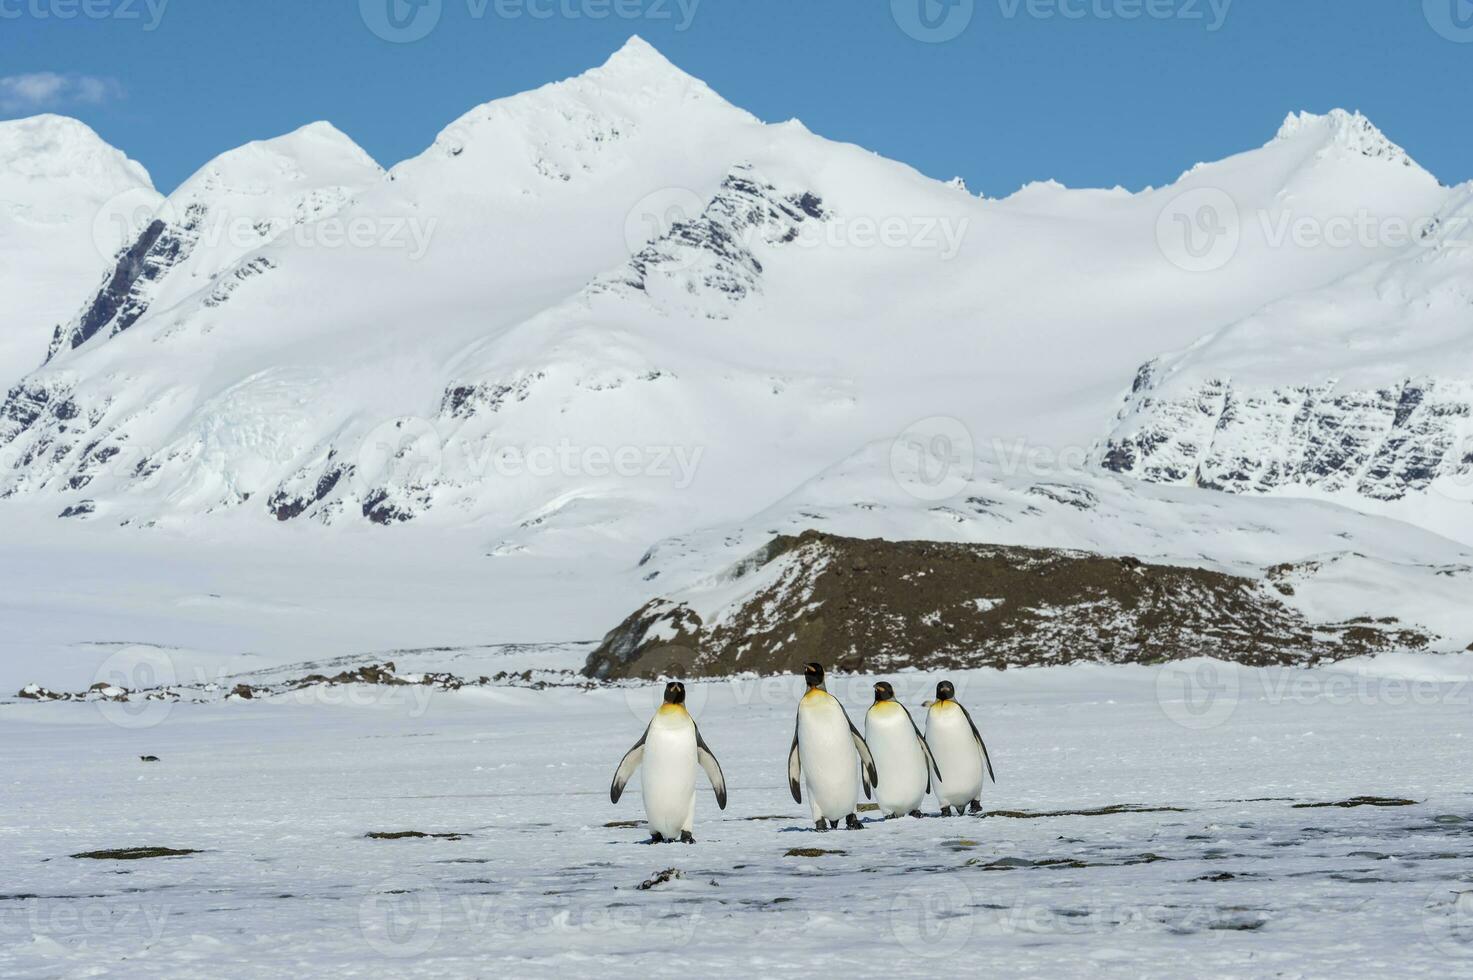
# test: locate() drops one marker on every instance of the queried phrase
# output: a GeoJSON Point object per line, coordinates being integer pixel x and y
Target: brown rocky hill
{"type": "Point", "coordinates": [871, 605]}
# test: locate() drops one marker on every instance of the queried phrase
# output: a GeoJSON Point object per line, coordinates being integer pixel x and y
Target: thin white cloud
{"type": "Point", "coordinates": [49, 90]}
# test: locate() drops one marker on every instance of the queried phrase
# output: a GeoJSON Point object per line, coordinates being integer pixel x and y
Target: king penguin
{"type": "Point", "coordinates": [670, 748]}
{"type": "Point", "coordinates": [900, 749]}
{"type": "Point", "coordinates": [826, 748]}
{"type": "Point", "coordinates": [960, 752]}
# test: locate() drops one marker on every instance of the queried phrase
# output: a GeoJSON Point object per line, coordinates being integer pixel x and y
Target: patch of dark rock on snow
{"type": "Point", "coordinates": [1096, 812]}
{"type": "Point", "coordinates": [660, 878]}
{"type": "Point", "coordinates": [1238, 919]}
{"type": "Point", "coordinates": [873, 605]}
{"type": "Point", "coordinates": [148, 758]}
{"type": "Point", "coordinates": [384, 674]}
{"type": "Point", "coordinates": [286, 506]}
{"type": "Point", "coordinates": [625, 824]}
{"type": "Point", "coordinates": [1015, 863]}
{"type": "Point", "coordinates": [35, 692]}
{"type": "Point", "coordinates": [1358, 801]}
{"type": "Point", "coordinates": [411, 835]}
{"type": "Point", "coordinates": [135, 853]}
{"type": "Point", "coordinates": [810, 852]}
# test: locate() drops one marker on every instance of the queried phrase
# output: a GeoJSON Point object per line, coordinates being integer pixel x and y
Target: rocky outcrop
{"type": "Point", "coordinates": [1383, 443]}
{"type": "Point", "coordinates": [121, 301]}
{"type": "Point", "coordinates": [872, 605]}
{"type": "Point", "coordinates": [712, 255]}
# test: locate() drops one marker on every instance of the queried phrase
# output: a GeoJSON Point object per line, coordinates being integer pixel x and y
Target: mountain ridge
{"type": "Point", "coordinates": [716, 284]}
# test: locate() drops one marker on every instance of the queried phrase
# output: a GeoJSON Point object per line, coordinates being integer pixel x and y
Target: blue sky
{"type": "Point", "coordinates": [1001, 92]}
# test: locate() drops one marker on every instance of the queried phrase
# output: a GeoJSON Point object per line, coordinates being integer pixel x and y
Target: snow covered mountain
{"type": "Point", "coordinates": [67, 200]}
{"type": "Point", "coordinates": [618, 308]}
{"type": "Point", "coordinates": [1358, 392]}
{"type": "Point", "coordinates": [195, 244]}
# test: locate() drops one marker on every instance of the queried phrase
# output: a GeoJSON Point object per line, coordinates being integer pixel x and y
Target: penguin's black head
{"type": "Point", "coordinates": [813, 674]}
{"type": "Point", "coordinates": [675, 693]}
{"type": "Point", "coordinates": [944, 691]}
{"type": "Point", "coordinates": [884, 692]}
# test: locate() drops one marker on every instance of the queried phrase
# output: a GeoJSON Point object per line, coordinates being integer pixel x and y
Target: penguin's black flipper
{"type": "Point", "coordinates": [630, 762]}
{"type": "Point", "coordinates": [795, 771]}
{"type": "Point", "coordinates": [713, 768]}
{"type": "Point", "coordinates": [866, 761]}
{"type": "Point", "coordinates": [926, 748]}
{"type": "Point", "coordinates": [981, 744]}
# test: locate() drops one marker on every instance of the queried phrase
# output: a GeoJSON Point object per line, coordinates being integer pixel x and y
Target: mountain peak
{"type": "Point", "coordinates": [317, 153]}
{"type": "Point", "coordinates": [640, 63]}
{"type": "Point", "coordinates": [556, 133]}
{"type": "Point", "coordinates": [638, 51]}
{"type": "Point", "coordinates": [52, 146]}
{"type": "Point", "coordinates": [1349, 131]}
{"type": "Point", "coordinates": [314, 138]}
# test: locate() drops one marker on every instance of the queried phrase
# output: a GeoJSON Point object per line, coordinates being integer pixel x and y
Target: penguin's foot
{"type": "Point", "coordinates": [975, 806]}
{"type": "Point", "coordinates": [946, 811]}
{"type": "Point", "coordinates": [656, 838]}
{"type": "Point", "coordinates": [821, 824]}
{"type": "Point", "coordinates": [916, 813]}
{"type": "Point", "coordinates": [686, 837]}
{"type": "Point", "coordinates": [851, 822]}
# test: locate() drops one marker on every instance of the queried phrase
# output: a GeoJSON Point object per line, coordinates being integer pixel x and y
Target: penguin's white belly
{"type": "Point", "coordinates": [668, 775]}
{"type": "Point", "coordinates": [828, 757]}
{"type": "Point", "coordinates": [957, 755]}
{"type": "Point", "coordinates": [899, 759]}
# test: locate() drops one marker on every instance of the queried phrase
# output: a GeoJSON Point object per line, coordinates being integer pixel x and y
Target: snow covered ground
{"type": "Point", "coordinates": [1236, 878]}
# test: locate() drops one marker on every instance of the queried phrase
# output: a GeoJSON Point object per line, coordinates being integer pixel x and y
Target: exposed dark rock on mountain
{"type": "Point", "coordinates": [715, 249]}
{"type": "Point", "coordinates": [881, 605]}
{"type": "Point", "coordinates": [1383, 444]}
{"type": "Point", "coordinates": [119, 302]}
